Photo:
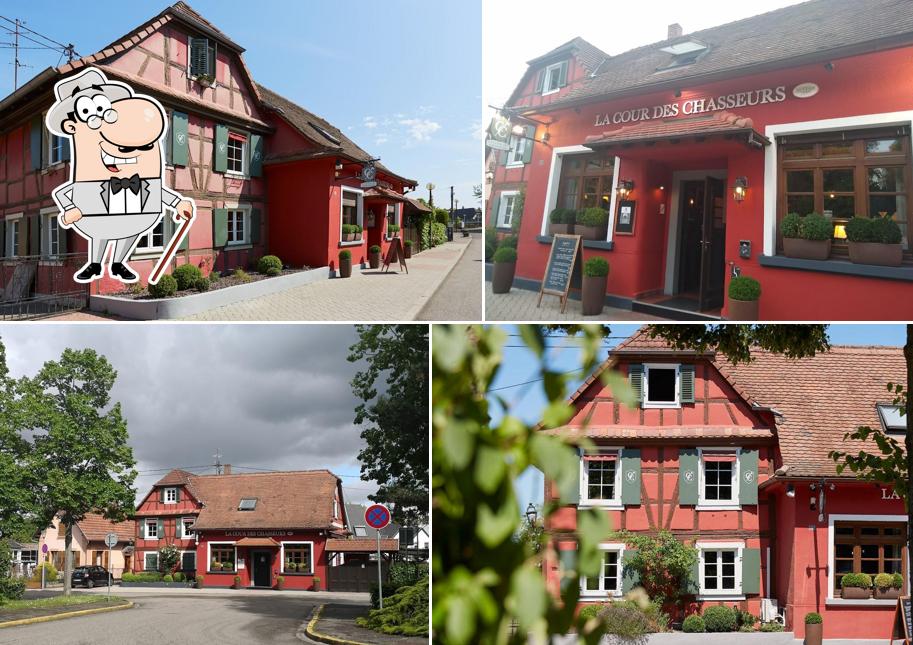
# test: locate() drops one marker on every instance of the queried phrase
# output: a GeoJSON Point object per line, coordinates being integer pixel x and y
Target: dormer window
{"type": "Point", "coordinates": [201, 57]}
{"type": "Point", "coordinates": [661, 386]}
{"type": "Point", "coordinates": [170, 496]}
{"type": "Point", "coordinates": [552, 78]}
{"type": "Point", "coordinates": [684, 53]}
{"type": "Point", "coordinates": [247, 504]}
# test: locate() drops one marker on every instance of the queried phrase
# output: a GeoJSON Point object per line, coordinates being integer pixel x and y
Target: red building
{"type": "Point", "coordinates": [710, 139]}
{"type": "Point", "coordinates": [267, 176]}
{"type": "Point", "coordinates": [734, 460]}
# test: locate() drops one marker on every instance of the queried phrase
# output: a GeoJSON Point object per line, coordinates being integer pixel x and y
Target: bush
{"type": "Point", "coordinates": [789, 225]}
{"type": "Point", "coordinates": [596, 268]}
{"type": "Point", "coordinates": [408, 243]}
{"type": "Point", "coordinates": [405, 613]}
{"type": "Point", "coordinates": [389, 591]}
{"type": "Point", "coordinates": [897, 581]}
{"type": "Point", "coordinates": [392, 228]}
{"type": "Point", "coordinates": [744, 288]}
{"type": "Point", "coordinates": [214, 276]}
{"type": "Point", "coordinates": [441, 216]}
{"type": "Point", "coordinates": [126, 576]}
{"type": "Point", "coordinates": [772, 626]}
{"type": "Point", "coordinates": [11, 589]}
{"type": "Point", "coordinates": [269, 265]}
{"type": "Point", "coordinates": [438, 233]}
{"type": "Point", "coordinates": [351, 229]}
{"type": "Point", "coordinates": [179, 577]}
{"type": "Point", "coordinates": [50, 573]}
{"type": "Point", "coordinates": [202, 284]}
{"type": "Point", "coordinates": [593, 216]}
{"type": "Point", "coordinates": [165, 287]}
{"type": "Point", "coordinates": [562, 216]}
{"type": "Point", "coordinates": [186, 275]}
{"type": "Point", "coordinates": [406, 574]}
{"type": "Point", "coordinates": [694, 623]}
{"type": "Point", "coordinates": [374, 248]}
{"type": "Point", "coordinates": [242, 275]}
{"type": "Point", "coordinates": [505, 254]}
{"type": "Point", "coordinates": [628, 624]}
{"type": "Point", "coordinates": [813, 618]}
{"type": "Point", "coordinates": [720, 618]}
{"type": "Point", "coordinates": [861, 580]}
{"type": "Point", "coordinates": [590, 611]}
{"type": "Point", "coordinates": [817, 227]}
{"type": "Point", "coordinates": [145, 576]}
{"type": "Point", "coordinates": [882, 230]}
{"type": "Point", "coordinates": [509, 241]}
{"type": "Point", "coordinates": [884, 581]}
{"type": "Point", "coordinates": [491, 244]}
{"type": "Point", "coordinates": [345, 255]}
{"type": "Point", "coordinates": [745, 619]}
{"type": "Point", "coordinates": [168, 578]}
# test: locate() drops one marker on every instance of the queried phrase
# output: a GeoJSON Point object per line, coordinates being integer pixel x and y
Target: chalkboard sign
{"type": "Point", "coordinates": [395, 252]}
{"type": "Point", "coordinates": [903, 621]}
{"type": "Point", "coordinates": [562, 261]}
{"type": "Point", "coordinates": [624, 221]}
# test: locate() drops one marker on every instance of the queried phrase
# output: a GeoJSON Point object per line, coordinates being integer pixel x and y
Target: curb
{"type": "Point", "coordinates": [69, 614]}
{"type": "Point", "coordinates": [414, 313]}
{"type": "Point", "coordinates": [313, 634]}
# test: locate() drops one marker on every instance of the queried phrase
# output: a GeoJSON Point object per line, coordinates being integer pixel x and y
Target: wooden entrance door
{"type": "Point", "coordinates": [713, 245]}
{"type": "Point", "coordinates": [261, 562]}
{"type": "Point", "coordinates": [690, 247]}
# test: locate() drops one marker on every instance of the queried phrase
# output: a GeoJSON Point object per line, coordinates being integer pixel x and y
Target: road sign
{"type": "Point", "coordinates": [44, 548]}
{"type": "Point", "coordinates": [111, 540]}
{"type": "Point", "coordinates": [377, 516]}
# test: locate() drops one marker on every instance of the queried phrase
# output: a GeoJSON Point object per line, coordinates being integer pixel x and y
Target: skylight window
{"type": "Point", "coordinates": [892, 418]}
{"type": "Point", "coordinates": [325, 133]}
{"type": "Point", "coordinates": [684, 53]}
{"type": "Point", "coordinates": [247, 504]}
{"type": "Point", "coordinates": [361, 531]}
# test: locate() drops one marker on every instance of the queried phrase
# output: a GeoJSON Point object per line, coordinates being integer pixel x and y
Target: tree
{"type": "Point", "coordinates": [738, 341]}
{"type": "Point", "coordinates": [80, 457]}
{"type": "Point", "coordinates": [396, 418]}
{"type": "Point", "coordinates": [17, 508]}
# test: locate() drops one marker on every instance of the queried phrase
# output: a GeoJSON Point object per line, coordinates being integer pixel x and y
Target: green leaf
{"type": "Point", "coordinates": [461, 619]}
{"type": "Point", "coordinates": [458, 440]}
{"type": "Point", "coordinates": [450, 347]}
{"type": "Point", "coordinates": [532, 336]}
{"type": "Point", "coordinates": [557, 414]}
{"type": "Point", "coordinates": [492, 528]}
{"type": "Point", "coordinates": [621, 388]}
{"type": "Point", "coordinates": [529, 596]}
{"type": "Point", "coordinates": [489, 469]}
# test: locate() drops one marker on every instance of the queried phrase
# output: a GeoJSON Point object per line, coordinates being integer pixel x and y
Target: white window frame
{"type": "Point", "coordinates": [517, 150]}
{"type": "Point", "coordinates": [146, 554]}
{"type": "Point", "coordinates": [720, 594]}
{"type": "Point", "coordinates": [618, 547]}
{"type": "Point", "coordinates": [219, 543]}
{"type": "Point", "coordinates": [184, 534]}
{"type": "Point", "coordinates": [677, 403]}
{"type": "Point", "coordinates": [396, 218]}
{"type": "Point", "coordinates": [246, 208]}
{"type": "Point", "coordinates": [718, 504]}
{"type": "Point", "coordinates": [335, 508]}
{"type": "Point", "coordinates": [546, 75]}
{"type": "Point", "coordinates": [502, 208]}
{"type": "Point", "coordinates": [153, 521]}
{"type": "Point", "coordinates": [359, 213]}
{"type": "Point", "coordinates": [282, 555]}
{"type": "Point", "coordinates": [140, 249]}
{"type": "Point", "coordinates": [245, 151]}
{"type": "Point", "coordinates": [181, 559]}
{"type": "Point", "coordinates": [831, 552]}
{"type": "Point", "coordinates": [13, 223]}
{"type": "Point", "coordinates": [49, 217]}
{"type": "Point", "coordinates": [615, 502]}
{"type": "Point", "coordinates": [169, 491]}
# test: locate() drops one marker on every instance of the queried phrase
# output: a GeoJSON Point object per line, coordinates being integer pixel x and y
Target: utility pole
{"type": "Point", "coordinates": [218, 464]}
{"type": "Point", "coordinates": [451, 205]}
{"type": "Point", "coordinates": [16, 57]}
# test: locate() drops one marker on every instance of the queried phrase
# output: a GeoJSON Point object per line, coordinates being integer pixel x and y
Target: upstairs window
{"type": "Point", "coordinates": [154, 240]}
{"type": "Point", "coordinates": [171, 496]}
{"type": "Point", "coordinates": [553, 78]}
{"type": "Point", "coordinates": [201, 57]}
{"type": "Point", "coordinates": [57, 149]}
{"type": "Point", "coordinates": [152, 529]}
{"type": "Point", "coordinates": [719, 478]}
{"type": "Point", "coordinates": [661, 386]}
{"type": "Point", "coordinates": [600, 478]}
{"type": "Point", "coordinates": [517, 152]}
{"type": "Point", "coordinates": [506, 206]}
{"type": "Point", "coordinates": [187, 527]}
{"type": "Point", "coordinates": [361, 531]}
{"type": "Point", "coordinates": [237, 153]}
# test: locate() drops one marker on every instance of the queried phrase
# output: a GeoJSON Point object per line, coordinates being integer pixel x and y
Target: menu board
{"type": "Point", "coordinates": [562, 261]}
{"type": "Point", "coordinates": [903, 620]}
{"type": "Point", "coordinates": [394, 253]}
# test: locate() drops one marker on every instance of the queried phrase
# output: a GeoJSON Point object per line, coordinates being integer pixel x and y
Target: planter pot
{"type": "Point", "coordinates": [888, 255]}
{"type": "Point", "coordinates": [374, 260]}
{"type": "Point", "coordinates": [345, 267]}
{"type": "Point", "coordinates": [813, 634]}
{"type": "Point", "coordinates": [591, 232]}
{"type": "Point", "coordinates": [855, 593]}
{"type": "Point", "coordinates": [592, 294]}
{"type": "Point", "coordinates": [502, 276]}
{"type": "Point", "coordinates": [886, 594]}
{"type": "Point", "coordinates": [407, 252]}
{"type": "Point", "coordinates": [563, 229]}
{"type": "Point", "coordinates": [806, 249]}
{"type": "Point", "coordinates": [348, 237]}
{"type": "Point", "coordinates": [743, 309]}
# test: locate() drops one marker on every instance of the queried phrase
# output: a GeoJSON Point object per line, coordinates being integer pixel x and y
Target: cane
{"type": "Point", "coordinates": [172, 247]}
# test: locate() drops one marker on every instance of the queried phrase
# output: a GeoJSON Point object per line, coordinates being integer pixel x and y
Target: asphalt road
{"type": "Point", "coordinates": [460, 295]}
{"type": "Point", "coordinates": [184, 620]}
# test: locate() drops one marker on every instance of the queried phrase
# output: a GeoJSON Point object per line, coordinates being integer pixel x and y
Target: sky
{"type": "Point", "coordinates": [400, 77]}
{"type": "Point", "coordinates": [273, 397]}
{"type": "Point", "coordinates": [613, 27]}
{"type": "Point", "coordinates": [527, 400]}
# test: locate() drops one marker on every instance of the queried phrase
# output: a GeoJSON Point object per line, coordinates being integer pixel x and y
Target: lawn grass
{"type": "Point", "coordinates": [55, 601]}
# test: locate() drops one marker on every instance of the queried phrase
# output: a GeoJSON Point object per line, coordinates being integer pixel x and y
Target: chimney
{"type": "Point", "coordinates": [227, 470]}
{"type": "Point", "coordinates": [675, 30]}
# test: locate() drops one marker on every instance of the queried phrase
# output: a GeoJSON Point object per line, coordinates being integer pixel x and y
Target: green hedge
{"type": "Point", "coordinates": [186, 276]}
{"type": "Point", "coordinates": [405, 613]}
{"type": "Point", "coordinates": [861, 580]}
{"type": "Point", "coordinates": [11, 589]}
{"type": "Point", "coordinates": [438, 233]}
{"type": "Point", "coordinates": [145, 576]}
{"type": "Point", "coordinates": [694, 623]}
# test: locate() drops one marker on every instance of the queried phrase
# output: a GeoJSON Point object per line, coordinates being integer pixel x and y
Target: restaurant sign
{"type": "Point", "coordinates": [256, 533]}
{"type": "Point", "coordinates": [691, 107]}
{"type": "Point", "coordinates": [498, 134]}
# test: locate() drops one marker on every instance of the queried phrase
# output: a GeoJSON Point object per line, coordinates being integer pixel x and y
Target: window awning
{"type": "Point", "coordinates": [257, 541]}
{"type": "Point", "coordinates": [609, 456]}
{"type": "Point", "coordinates": [384, 194]}
{"type": "Point", "coordinates": [234, 136]}
{"type": "Point", "coordinates": [718, 458]}
{"type": "Point", "coordinates": [724, 125]}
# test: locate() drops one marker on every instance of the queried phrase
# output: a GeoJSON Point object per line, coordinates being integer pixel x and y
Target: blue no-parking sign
{"type": "Point", "coordinates": [377, 516]}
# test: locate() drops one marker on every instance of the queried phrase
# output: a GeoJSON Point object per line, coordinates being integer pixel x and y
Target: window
{"type": "Point", "coordinates": [361, 531]}
{"type": "Point", "coordinates": [719, 571]}
{"type": "Point", "coordinates": [187, 527]}
{"type": "Point", "coordinates": [13, 231]}
{"type": "Point", "coordinates": [29, 555]}
{"type": "Point", "coordinates": [684, 53]}
{"type": "Point", "coordinates": [150, 561]}
{"type": "Point", "coordinates": [352, 210]}
{"type": "Point", "coordinates": [188, 561]}
{"type": "Point", "coordinates": [51, 233]}
{"type": "Point", "coordinates": [391, 218]}
{"type": "Point", "coordinates": [335, 508]}
{"type": "Point", "coordinates": [661, 386]}
{"type": "Point", "coordinates": [57, 149]}
{"type": "Point", "coordinates": [247, 504]}
{"type": "Point", "coordinates": [587, 180]}
{"type": "Point", "coordinates": [152, 529]}
{"type": "Point", "coordinates": [237, 153]}
{"type": "Point", "coordinates": [600, 478]}
{"type": "Point", "coordinates": [892, 418]}
{"type": "Point", "coordinates": [237, 226]}
{"type": "Point", "coordinates": [552, 78]}
{"type": "Point", "coordinates": [154, 240]}
{"type": "Point", "coordinates": [506, 207]}
{"type": "Point", "coordinates": [201, 57]}
{"type": "Point", "coordinates": [171, 495]}
{"type": "Point", "coordinates": [517, 150]}
{"type": "Point", "coordinates": [719, 483]}
{"type": "Point", "coordinates": [608, 582]}
{"type": "Point", "coordinates": [868, 547]}
{"type": "Point", "coordinates": [841, 174]}
{"type": "Point", "coordinates": [298, 554]}
{"type": "Point", "coordinates": [224, 555]}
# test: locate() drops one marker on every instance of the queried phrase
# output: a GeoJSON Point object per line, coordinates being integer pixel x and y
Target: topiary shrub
{"type": "Point", "coordinates": [744, 288]}
{"type": "Point", "coordinates": [886, 231]}
{"type": "Point", "coordinates": [789, 225]}
{"type": "Point", "coordinates": [166, 286]}
{"type": "Point", "coordinates": [693, 623]}
{"type": "Point", "coordinates": [860, 580]}
{"type": "Point", "coordinates": [720, 618]}
{"type": "Point", "coordinates": [813, 618]}
{"type": "Point", "coordinates": [491, 244]}
{"type": "Point", "coordinates": [772, 626]}
{"type": "Point", "coordinates": [509, 241]}
{"type": "Point", "coordinates": [345, 255]}
{"type": "Point", "coordinates": [392, 228]}
{"type": "Point", "coordinates": [505, 254]}
{"type": "Point", "coordinates": [11, 589]}
{"type": "Point", "coordinates": [269, 265]}
{"type": "Point", "coordinates": [179, 577]}
{"type": "Point", "coordinates": [596, 268]}
{"type": "Point", "coordinates": [562, 216]}
{"type": "Point", "coordinates": [897, 581]}
{"type": "Point", "coordinates": [408, 243]}
{"type": "Point", "coordinates": [168, 578]}
{"type": "Point", "coordinates": [202, 284]}
{"type": "Point", "coordinates": [593, 216]}
{"type": "Point", "coordinates": [815, 226]}
{"type": "Point", "coordinates": [884, 581]}
{"type": "Point", "coordinates": [374, 248]}
{"type": "Point", "coordinates": [187, 275]}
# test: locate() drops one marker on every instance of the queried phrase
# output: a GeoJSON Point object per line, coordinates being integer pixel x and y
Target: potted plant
{"type": "Point", "coordinates": [348, 232]}
{"type": "Point", "coordinates": [392, 230]}
{"type": "Point", "coordinates": [280, 583]}
{"type": "Point", "coordinates": [884, 588]}
{"type": "Point", "coordinates": [595, 278]}
{"type": "Point", "coordinates": [561, 220]}
{"type": "Point", "coordinates": [744, 293]}
{"type": "Point", "coordinates": [289, 566]}
{"type": "Point", "coordinates": [237, 583]}
{"type": "Point", "coordinates": [874, 240]}
{"type": "Point", "coordinates": [813, 628]}
{"type": "Point", "coordinates": [502, 275]}
{"type": "Point", "coordinates": [407, 249]}
{"type": "Point", "coordinates": [345, 263]}
{"type": "Point", "coordinates": [807, 237]}
{"type": "Point", "coordinates": [216, 566]}
{"type": "Point", "coordinates": [592, 223]}
{"type": "Point", "coordinates": [374, 256]}
{"type": "Point", "coordinates": [856, 586]}
{"type": "Point", "coordinates": [316, 583]}
{"type": "Point", "coordinates": [206, 80]}
{"type": "Point", "coordinates": [199, 582]}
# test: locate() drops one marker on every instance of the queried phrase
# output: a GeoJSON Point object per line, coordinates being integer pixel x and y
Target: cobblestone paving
{"type": "Point", "coordinates": [520, 305]}
{"type": "Point", "coordinates": [369, 295]}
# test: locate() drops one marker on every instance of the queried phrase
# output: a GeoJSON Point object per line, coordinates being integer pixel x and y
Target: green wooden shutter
{"type": "Point", "coordinates": [185, 243]}
{"type": "Point", "coordinates": [693, 583]}
{"type": "Point", "coordinates": [688, 470]}
{"type": "Point", "coordinates": [571, 492]}
{"type": "Point", "coordinates": [630, 476]}
{"type": "Point", "coordinates": [3, 224]}
{"type": "Point", "coordinates": [221, 148]}
{"type": "Point", "coordinates": [630, 577]}
{"type": "Point", "coordinates": [751, 571]}
{"type": "Point", "coordinates": [180, 146]}
{"type": "Point", "coordinates": [687, 381]}
{"type": "Point", "coordinates": [161, 531]}
{"type": "Point", "coordinates": [177, 494]}
{"type": "Point", "coordinates": [34, 234]}
{"type": "Point", "coordinates": [567, 562]}
{"type": "Point", "coordinates": [748, 477]}
{"type": "Point", "coordinates": [494, 204]}
{"type": "Point", "coordinates": [199, 56]}
{"type": "Point", "coordinates": [530, 134]}
{"type": "Point", "coordinates": [636, 377]}
{"type": "Point", "coordinates": [256, 155]}
{"type": "Point", "coordinates": [36, 136]}
{"type": "Point", "coordinates": [255, 226]}
{"type": "Point", "coordinates": [540, 81]}
{"type": "Point", "coordinates": [162, 495]}
{"type": "Point", "coordinates": [219, 227]}
{"type": "Point", "coordinates": [562, 75]}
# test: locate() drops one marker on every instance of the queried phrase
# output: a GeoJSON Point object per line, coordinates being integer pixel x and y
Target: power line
{"type": "Point", "coordinates": [19, 32]}
{"type": "Point", "coordinates": [535, 380]}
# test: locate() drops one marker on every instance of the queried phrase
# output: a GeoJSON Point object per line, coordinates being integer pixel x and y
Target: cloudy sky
{"type": "Point", "coordinates": [267, 396]}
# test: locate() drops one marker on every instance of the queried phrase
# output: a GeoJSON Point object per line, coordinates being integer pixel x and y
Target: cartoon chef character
{"type": "Point", "coordinates": [116, 190]}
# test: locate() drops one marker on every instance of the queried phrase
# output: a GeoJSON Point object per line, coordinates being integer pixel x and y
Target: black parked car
{"type": "Point", "coordinates": [89, 576]}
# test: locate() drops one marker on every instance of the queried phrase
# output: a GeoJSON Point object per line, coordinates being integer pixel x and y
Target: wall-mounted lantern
{"type": "Point", "coordinates": [740, 188]}
{"type": "Point", "coordinates": [625, 187]}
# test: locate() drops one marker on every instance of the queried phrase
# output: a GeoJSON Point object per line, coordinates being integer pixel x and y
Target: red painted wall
{"type": "Point", "coordinates": [300, 196]}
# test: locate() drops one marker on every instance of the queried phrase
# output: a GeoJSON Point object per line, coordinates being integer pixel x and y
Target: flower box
{"type": "Point", "coordinates": [795, 247]}
{"type": "Point", "coordinates": [888, 255]}
{"type": "Point", "coordinates": [855, 593]}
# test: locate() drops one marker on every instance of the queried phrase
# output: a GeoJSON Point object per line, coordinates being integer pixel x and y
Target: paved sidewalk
{"type": "Point", "coordinates": [369, 295]}
{"type": "Point", "coordinates": [520, 305]}
{"type": "Point", "coordinates": [460, 296]}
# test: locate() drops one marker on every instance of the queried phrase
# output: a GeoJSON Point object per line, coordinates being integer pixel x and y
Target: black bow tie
{"type": "Point", "coordinates": [117, 184]}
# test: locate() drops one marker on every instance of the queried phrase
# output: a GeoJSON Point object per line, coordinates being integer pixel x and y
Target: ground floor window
{"type": "Point", "coordinates": [238, 225]}
{"type": "Point", "coordinates": [506, 207]}
{"type": "Point", "coordinates": [52, 243]}
{"type": "Point", "coordinates": [298, 558]}
{"type": "Point", "coordinates": [151, 561]}
{"type": "Point", "coordinates": [391, 218]}
{"type": "Point", "coordinates": [719, 566]}
{"type": "Point", "coordinates": [586, 181]}
{"type": "Point", "coordinates": [352, 209]}
{"type": "Point", "coordinates": [868, 547]}
{"type": "Point", "coordinates": [154, 240]}
{"type": "Point", "coordinates": [224, 556]}
{"type": "Point", "coordinates": [13, 233]}
{"type": "Point", "coordinates": [608, 581]}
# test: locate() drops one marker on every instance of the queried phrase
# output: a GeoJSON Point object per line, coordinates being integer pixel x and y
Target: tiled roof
{"type": "Point", "coordinates": [807, 31]}
{"type": "Point", "coordinates": [589, 55]}
{"type": "Point", "coordinates": [95, 527]}
{"type": "Point", "coordinates": [723, 123]}
{"type": "Point", "coordinates": [663, 433]}
{"type": "Point", "coordinates": [361, 545]}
